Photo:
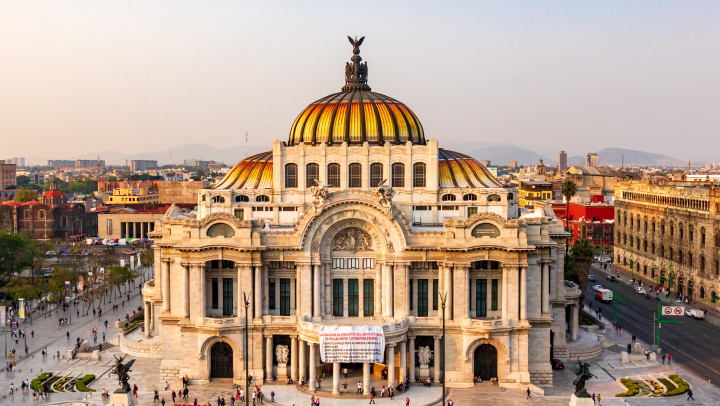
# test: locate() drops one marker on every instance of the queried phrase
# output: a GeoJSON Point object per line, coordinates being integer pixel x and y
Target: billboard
{"type": "Point", "coordinates": [81, 284]}
{"type": "Point", "coordinates": [364, 344]}
{"type": "Point", "coordinates": [3, 316]}
{"type": "Point", "coordinates": [21, 308]}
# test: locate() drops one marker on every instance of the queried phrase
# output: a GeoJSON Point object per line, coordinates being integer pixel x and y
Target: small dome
{"type": "Point", "coordinates": [459, 170]}
{"type": "Point", "coordinates": [54, 194]}
{"type": "Point", "coordinates": [31, 203]}
{"type": "Point", "coordinates": [254, 172]}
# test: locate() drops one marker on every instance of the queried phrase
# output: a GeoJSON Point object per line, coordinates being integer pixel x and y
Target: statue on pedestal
{"type": "Point", "coordinates": [583, 375]}
{"type": "Point", "coordinates": [121, 370]}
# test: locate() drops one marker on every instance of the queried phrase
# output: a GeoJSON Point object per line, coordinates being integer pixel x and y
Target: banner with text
{"type": "Point", "coordinates": [362, 344]}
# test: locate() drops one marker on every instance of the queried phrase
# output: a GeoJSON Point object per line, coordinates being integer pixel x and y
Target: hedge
{"type": "Point", "coordinates": [36, 384]}
{"type": "Point", "coordinates": [669, 385]}
{"type": "Point", "coordinates": [632, 386]}
{"type": "Point", "coordinates": [682, 386]}
{"type": "Point", "coordinates": [81, 386]}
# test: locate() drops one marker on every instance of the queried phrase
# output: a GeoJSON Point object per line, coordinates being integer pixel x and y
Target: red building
{"type": "Point", "coordinates": [593, 221]}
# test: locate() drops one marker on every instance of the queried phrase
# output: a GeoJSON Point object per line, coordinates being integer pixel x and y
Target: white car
{"type": "Point", "coordinates": [597, 287]}
{"type": "Point", "coordinates": [605, 259]}
{"type": "Point", "coordinates": [640, 290]}
{"type": "Point", "coordinates": [695, 314]}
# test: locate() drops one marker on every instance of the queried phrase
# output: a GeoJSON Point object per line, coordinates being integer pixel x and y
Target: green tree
{"type": "Point", "coordinates": [569, 189]}
{"type": "Point", "coordinates": [582, 257]}
{"type": "Point", "coordinates": [112, 178]}
{"type": "Point", "coordinates": [22, 180]}
{"type": "Point", "coordinates": [12, 255]}
{"type": "Point", "coordinates": [25, 196]}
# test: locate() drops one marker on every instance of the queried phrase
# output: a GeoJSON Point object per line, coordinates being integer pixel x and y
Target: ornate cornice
{"type": "Point", "coordinates": [225, 217]}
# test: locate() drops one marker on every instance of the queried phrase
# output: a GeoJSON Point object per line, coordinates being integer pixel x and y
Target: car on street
{"type": "Point", "coordinates": [640, 290]}
{"type": "Point", "coordinates": [597, 287]}
{"type": "Point", "coordinates": [695, 314]}
{"type": "Point", "coordinates": [557, 364]}
{"type": "Point", "coordinates": [611, 278]}
{"type": "Point", "coordinates": [605, 258]}
{"type": "Point", "coordinates": [591, 278]}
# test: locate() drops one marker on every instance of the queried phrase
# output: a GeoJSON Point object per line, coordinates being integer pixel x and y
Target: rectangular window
{"type": "Point", "coordinates": [376, 174]}
{"type": "Point", "coordinates": [355, 175]}
{"type": "Point", "coordinates": [338, 263]}
{"type": "Point", "coordinates": [398, 175]}
{"type": "Point", "coordinates": [471, 211]}
{"type": "Point", "coordinates": [368, 297]}
{"type": "Point", "coordinates": [227, 296]}
{"type": "Point", "coordinates": [334, 175]}
{"type": "Point", "coordinates": [436, 288]}
{"type": "Point", "coordinates": [481, 298]}
{"type": "Point", "coordinates": [353, 263]}
{"type": "Point", "coordinates": [494, 303]}
{"type": "Point", "coordinates": [215, 298]}
{"type": "Point", "coordinates": [411, 294]}
{"type": "Point", "coordinates": [368, 263]}
{"type": "Point", "coordinates": [353, 297]}
{"type": "Point", "coordinates": [240, 214]}
{"type": "Point", "coordinates": [423, 297]}
{"type": "Point", "coordinates": [109, 226]}
{"type": "Point", "coordinates": [284, 297]}
{"type": "Point", "coordinates": [337, 297]}
{"type": "Point", "coordinates": [271, 298]}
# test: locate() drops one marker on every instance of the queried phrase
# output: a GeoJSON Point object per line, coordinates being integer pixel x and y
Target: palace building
{"type": "Point", "coordinates": [357, 219]}
{"type": "Point", "coordinates": [669, 233]}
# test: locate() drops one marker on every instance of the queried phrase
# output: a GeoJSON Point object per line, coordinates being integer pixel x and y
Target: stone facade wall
{"type": "Point", "coordinates": [181, 192]}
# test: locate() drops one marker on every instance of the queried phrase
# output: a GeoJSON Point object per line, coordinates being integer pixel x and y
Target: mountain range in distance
{"type": "Point", "coordinates": [498, 153]}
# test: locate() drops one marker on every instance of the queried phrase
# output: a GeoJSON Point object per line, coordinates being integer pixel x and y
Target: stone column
{"type": "Point", "coordinates": [185, 290]}
{"type": "Point", "coordinates": [411, 361]}
{"type": "Point", "coordinates": [505, 281]}
{"type": "Point", "coordinates": [366, 378]}
{"type": "Point", "coordinates": [293, 358]}
{"type": "Point", "coordinates": [436, 358]}
{"type": "Point", "coordinates": [298, 295]}
{"type": "Point", "coordinates": [545, 288]}
{"type": "Point", "coordinates": [403, 361]}
{"type": "Point", "coordinates": [523, 293]}
{"type": "Point", "coordinates": [301, 364]}
{"type": "Point", "coordinates": [461, 293]}
{"type": "Point", "coordinates": [240, 298]}
{"type": "Point", "coordinates": [388, 291]}
{"type": "Point", "coordinates": [268, 358]}
{"type": "Point", "coordinates": [146, 316]}
{"type": "Point", "coordinates": [377, 289]}
{"type": "Point", "coordinates": [574, 325]}
{"type": "Point", "coordinates": [203, 291]}
{"type": "Point", "coordinates": [166, 286]}
{"type": "Point", "coordinates": [448, 293]}
{"type": "Point", "coordinates": [257, 305]}
{"type": "Point", "coordinates": [336, 378]}
{"type": "Point", "coordinates": [316, 291]}
{"type": "Point", "coordinates": [313, 377]}
{"type": "Point", "coordinates": [390, 355]}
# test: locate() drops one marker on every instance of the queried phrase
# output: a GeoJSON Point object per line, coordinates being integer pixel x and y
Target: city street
{"type": "Point", "coordinates": [53, 337]}
{"type": "Point", "coordinates": [693, 344]}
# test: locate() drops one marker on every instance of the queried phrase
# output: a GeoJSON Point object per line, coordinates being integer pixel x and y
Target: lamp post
{"type": "Point", "coordinates": [247, 383]}
{"type": "Point", "coordinates": [443, 298]}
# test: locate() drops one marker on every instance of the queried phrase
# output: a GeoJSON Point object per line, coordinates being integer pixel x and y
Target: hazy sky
{"type": "Point", "coordinates": [135, 76]}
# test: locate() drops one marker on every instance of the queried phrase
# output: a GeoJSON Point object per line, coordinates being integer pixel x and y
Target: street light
{"type": "Point", "coordinates": [247, 383]}
{"type": "Point", "coordinates": [442, 349]}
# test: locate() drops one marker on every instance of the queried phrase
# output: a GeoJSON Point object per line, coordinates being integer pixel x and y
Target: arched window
{"type": "Point", "coordinates": [63, 221]}
{"type": "Point", "coordinates": [419, 175]}
{"type": "Point", "coordinates": [312, 173]}
{"type": "Point", "coordinates": [41, 214]}
{"type": "Point", "coordinates": [702, 263]}
{"type": "Point", "coordinates": [242, 199]}
{"type": "Point", "coordinates": [262, 199]}
{"type": "Point", "coordinates": [652, 247]}
{"type": "Point", "coordinates": [469, 197]}
{"type": "Point", "coordinates": [702, 236]}
{"type": "Point", "coordinates": [632, 240]}
{"type": "Point", "coordinates": [510, 197]}
{"type": "Point", "coordinates": [680, 257]}
{"type": "Point", "coordinates": [448, 198]}
{"type": "Point", "coordinates": [662, 251]}
{"type": "Point", "coordinates": [653, 226]}
{"type": "Point", "coordinates": [625, 239]}
{"type": "Point", "coordinates": [632, 221]}
{"type": "Point", "coordinates": [662, 227]}
{"type": "Point", "coordinates": [220, 230]}
{"type": "Point", "coordinates": [376, 174]}
{"type": "Point", "coordinates": [645, 245]}
{"type": "Point", "coordinates": [333, 175]}
{"type": "Point", "coordinates": [690, 259]}
{"type": "Point", "coordinates": [291, 174]}
{"type": "Point", "coordinates": [691, 233]}
{"type": "Point", "coordinates": [355, 175]}
{"type": "Point", "coordinates": [218, 199]}
{"type": "Point", "coordinates": [672, 230]}
{"type": "Point", "coordinates": [27, 214]}
{"type": "Point", "coordinates": [398, 175]}
{"type": "Point", "coordinates": [494, 198]}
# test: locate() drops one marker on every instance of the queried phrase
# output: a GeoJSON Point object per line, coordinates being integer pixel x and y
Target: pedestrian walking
{"type": "Point", "coordinates": [359, 387]}
{"type": "Point", "coordinates": [633, 338]}
{"type": "Point", "coordinates": [598, 399]}
{"type": "Point", "coordinates": [663, 358]}
{"type": "Point", "coordinates": [669, 359]}
{"type": "Point", "coordinates": [407, 401]}
{"type": "Point", "coordinates": [593, 398]}
{"type": "Point", "coordinates": [173, 396]}
{"type": "Point", "coordinates": [372, 398]}
{"type": "Point", "coordinates": [135, 391]}
{"type": "Point", "coordinates": [689, 392]}
{"type": "Point", "coordinates": [620, 327]}
{"type": "Point", "coordinates": [345, 387]}
{"type": "Point", "coordinates": [528, 394]}
{"type": "Point", "coordinates": [156, 398]}
{"type": "Point", "coordinates": [272, 396]}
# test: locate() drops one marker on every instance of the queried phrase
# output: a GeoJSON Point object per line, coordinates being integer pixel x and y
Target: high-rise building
{"type": "Point", "coordinates": [18, 161]}
{"type": "Point", "coordinates": [562, 161]}
{"type": "Point", "coordinates": [592, 159]}
{"type": "Point", "coordinates": [89, 163]}
{"type": "Point", "coordinates": [58, 163]}
{"type": "Point", "coordinates": [513, 164]}
{"type": "Point", "coordinates": [142, 165]}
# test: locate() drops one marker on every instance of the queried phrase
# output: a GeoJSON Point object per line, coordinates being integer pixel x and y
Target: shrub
{"type": "Point", "coordinates": [81, 386]}
{"type": "Point", "coordinates": [36, 384]}
{"type": "Point", "coordinates": [632, 388]}
{"type": "Point", "coordinates": [682, 386]}
{"type": "Point", "coordinates": [669, 385]}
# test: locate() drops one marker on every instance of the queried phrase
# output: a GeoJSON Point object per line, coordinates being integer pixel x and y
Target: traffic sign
{"type": "Point", "coordinates": [673, 311]}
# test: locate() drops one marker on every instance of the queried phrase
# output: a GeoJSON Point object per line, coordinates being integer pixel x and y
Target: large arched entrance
{"type": "Point", "coordinates": [221, 360]}
{"type": "Point", "coordinates": [485, 362]}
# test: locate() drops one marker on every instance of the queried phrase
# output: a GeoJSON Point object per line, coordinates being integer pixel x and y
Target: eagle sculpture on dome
{"type": "Point", "coordinates": [356, 42]}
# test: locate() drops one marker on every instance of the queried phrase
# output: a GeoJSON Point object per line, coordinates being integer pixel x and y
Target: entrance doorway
{"type": "Point", "coordinates": [485, 362]}
{"type": "Point", "coordinates": [221, 360]}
